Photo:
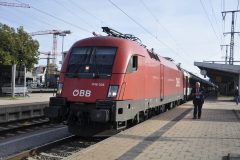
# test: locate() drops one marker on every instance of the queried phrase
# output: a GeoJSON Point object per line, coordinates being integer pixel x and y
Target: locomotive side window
{"type": "Point", "coordinates": [133, 64]}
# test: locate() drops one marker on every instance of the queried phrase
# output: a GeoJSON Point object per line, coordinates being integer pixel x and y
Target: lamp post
{"type": "Point", "coordinates": [63, 34]}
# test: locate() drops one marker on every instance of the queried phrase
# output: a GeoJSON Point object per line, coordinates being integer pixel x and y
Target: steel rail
{"type": "Point", "coordinates": [19, 127]}
{"type": "Point", "coordinates": [37, 150]}
{"type": "Point", "coordinates": [19, 120]}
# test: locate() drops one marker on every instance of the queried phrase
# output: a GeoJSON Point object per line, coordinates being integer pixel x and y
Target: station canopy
{"type": "Point", "coordinates": [222, 73]}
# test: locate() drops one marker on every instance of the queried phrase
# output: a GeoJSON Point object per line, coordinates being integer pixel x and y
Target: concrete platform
{"type": "Point", "coordinates": [23, 107]}
{"type": "Point", "coordinates": [33, 98]}
{"type": "Point", "coordinates": [174, 135]}
{"type": "Point", "coordinates": [42, 90]}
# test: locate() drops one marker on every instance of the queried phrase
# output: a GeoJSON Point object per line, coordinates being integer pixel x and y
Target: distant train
{"type": "Point", "coordinates": [108, 83]}
{"type": "Point", "coordinates": [190, 81]}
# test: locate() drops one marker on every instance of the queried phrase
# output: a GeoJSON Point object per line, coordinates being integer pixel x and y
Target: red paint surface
{"type": "Point", "coordinates": [145, 83]}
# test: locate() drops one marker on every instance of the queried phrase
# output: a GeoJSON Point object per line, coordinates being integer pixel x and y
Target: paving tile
{"type": "Point", "coordinates": [213, 136]}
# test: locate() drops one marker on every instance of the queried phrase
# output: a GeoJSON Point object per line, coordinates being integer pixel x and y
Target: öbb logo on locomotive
{"type": "Point", "coordinates": [82, 93]}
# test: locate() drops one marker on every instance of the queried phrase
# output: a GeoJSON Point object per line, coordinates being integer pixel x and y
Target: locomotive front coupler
{"type": "Point", "coordinates": [103, 112]}
{"type": "Point", "coordinates": [80, 118]}
{"type": "Point", "coordinates": [101, 115]}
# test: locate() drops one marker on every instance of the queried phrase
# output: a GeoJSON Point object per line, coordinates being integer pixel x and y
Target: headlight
{"type": "Point", "coordinates": [112, 91]}
{"type": "Point", "coordinates": [59, 89]}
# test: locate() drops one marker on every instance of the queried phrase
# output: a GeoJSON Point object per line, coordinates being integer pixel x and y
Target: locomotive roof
{"type": "Point", "coordinates": [132, 46]}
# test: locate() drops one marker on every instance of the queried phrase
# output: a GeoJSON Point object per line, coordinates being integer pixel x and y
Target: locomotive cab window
{"type": "Point", "coordinates": [92, 60]}
{"type": "Point", "coordinates": [133, 64]}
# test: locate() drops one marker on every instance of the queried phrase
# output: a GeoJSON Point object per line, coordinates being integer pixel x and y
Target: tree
{"type": "Point", "coordinates": [52, 69]}
{"type": "Point", "coordinates": [17, 47]}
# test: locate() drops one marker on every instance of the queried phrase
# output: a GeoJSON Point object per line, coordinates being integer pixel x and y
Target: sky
{"type": "Point", "coordinates": [188, 31]}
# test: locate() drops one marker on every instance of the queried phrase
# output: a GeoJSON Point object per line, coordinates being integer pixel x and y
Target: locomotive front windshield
{"type": "Point", "coordinates": [91, 60]}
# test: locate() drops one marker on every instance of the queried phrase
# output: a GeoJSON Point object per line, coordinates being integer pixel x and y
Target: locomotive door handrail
{"type": "Point", "coordinates": [125, 84]}
{"type": "Point", "coordinates": [161, 82]}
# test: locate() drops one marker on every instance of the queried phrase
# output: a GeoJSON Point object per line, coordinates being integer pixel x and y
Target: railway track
{"type": "Point", "coordinates": [57, 150]}
{"type": "Point", "coordinates": [13, 128]}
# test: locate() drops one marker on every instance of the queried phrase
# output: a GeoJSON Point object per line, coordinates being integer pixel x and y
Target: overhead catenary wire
{"type": "Point", "coordinates": [210, 22]}
{"type": "Point", "coordinates": [149, 32]}
{"type": "Point", "coordinates": [215, 19]}
{"type": "Point", "coordinates": [32, 27]}
{"type": "Point", "coordinates": [23, 26]}
{"type": "Point", "coordinates": [165, 29]}
{"type": "Point", "coordinates": [212, 55]}
{"type": "Point", "coordinates": [44, 22]}
{"type": "Point", "coordinates": [88, 12]}
{"type": "Point", "coordinates": [36, 28]}
{"type": "Point", "coordinates": [19, 23]}
{"type": "Point", "coordinates": [34, 17]}
{"type": "Point", "coordinates": [75, 14]}
{"type": "Point", "coordinates": [57, 18]}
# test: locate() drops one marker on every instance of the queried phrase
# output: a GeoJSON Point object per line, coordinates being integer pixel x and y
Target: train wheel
{"type": "Point", "coordinates": [178, 102]}
{"type": "Point", "coordinates": [167, 106]}
{"type": "Point", "coordinates": [175, 104]}
{"type": "Point", "coordinates": [146, 116]}
{"type": "Point", "coordinates": [170, 106]}
{"type": "Point", "coordinates": [157, 110]}
{"type": "Point", "coordinates": [141, 117]}
{"type": "Point", "coordinates": [149, 114]}
{"type": "Point", "coordinates": [163, 108]}
{"type": "Point", "coordinates": [130, 123]}
{"type": "Point", "coordinates": [153, 113]}
{"type": "Point", "coordinates": [160, 109]}
{"type": "Point", "coordinates": [136, 119]}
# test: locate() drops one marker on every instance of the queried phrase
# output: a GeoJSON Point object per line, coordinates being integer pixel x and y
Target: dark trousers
{"type": "Point", "coordinates": [197, 108]}
{"type": "Point", "coordinates": [237, 99]}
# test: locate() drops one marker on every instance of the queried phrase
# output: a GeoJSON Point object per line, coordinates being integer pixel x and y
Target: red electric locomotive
{"type": "Point", "coordinates": [109, 83]}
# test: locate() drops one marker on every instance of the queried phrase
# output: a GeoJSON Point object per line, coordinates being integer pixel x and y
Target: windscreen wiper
{"type": "Point", "coordinates": [72, 65]}
{"type": "Point", "coordinates": [96, 75]}
{"type": "Point", "coordinates": [85, 57]}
